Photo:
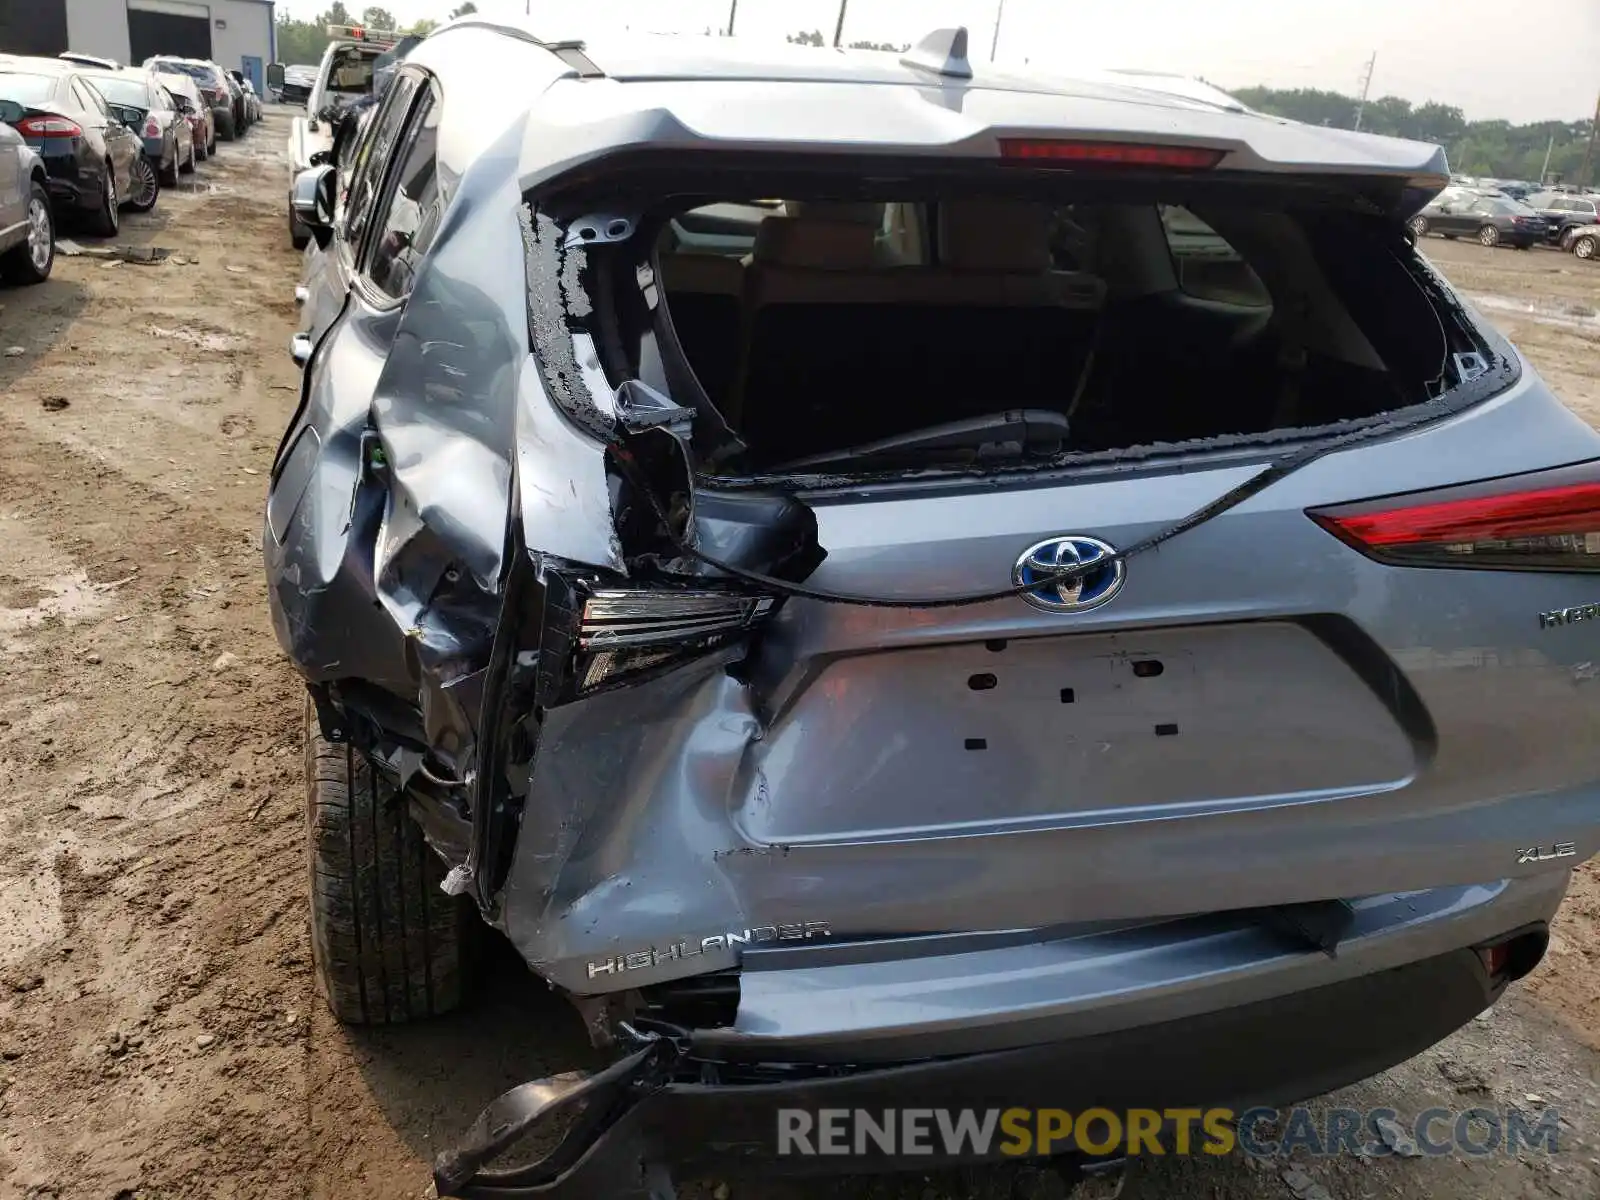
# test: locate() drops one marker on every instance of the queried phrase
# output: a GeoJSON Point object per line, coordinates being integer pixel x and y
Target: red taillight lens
{"type": "Point", "coordinates": [1544, 522]}
{"type": "Point", "coordinates": [1095, 154]}
{"type": "Point", "coordinates": [48, 127]}
{"type": "Point", "coordinates": [152, 128]}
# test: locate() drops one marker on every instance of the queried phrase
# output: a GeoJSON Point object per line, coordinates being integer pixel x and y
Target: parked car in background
{"type": "Point", "coordinates": [202, 123]}
{"type": "Point", "coordinates": [252, 102]}
{"type": "Point", "coordinates": [829, 730]}
{"type": "Point", "coordinates": [1494, 219]}
{"type": "Point", "coordinates": [94, 163]}
{"type": "Point", "coordinates": [214, 85]}
{"type": "Point", "coordinates": [1583, 241]}
{"type": "Point", "coordinates": [138, 98]}
{"type": "Point", "coordinates": [1563, 210]}
{"type": "Point", "coordinates": [89, 60]}
{"type": "Point", "coordinates": [27, 223]}
{"type": "Point", "coordinates": [298, 80]}
{"type": "Point", "coordinates": [241, 109]}
{"type": "Point", "coordinates": [346, 76]}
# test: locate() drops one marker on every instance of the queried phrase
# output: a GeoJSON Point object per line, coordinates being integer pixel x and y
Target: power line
{"type": "Point", "coordinates": [999, 16]}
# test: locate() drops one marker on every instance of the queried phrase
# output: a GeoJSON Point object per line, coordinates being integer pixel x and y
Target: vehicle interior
{"type": "Point", "coordinates": [818, 329]}
{"type": "Point", "coordinates": [350, 72]}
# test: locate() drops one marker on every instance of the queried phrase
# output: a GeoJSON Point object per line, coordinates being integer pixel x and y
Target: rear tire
{"type": "Point", "coordinates": [1489, 236]}
{"type": "Point", "coordinates": [387, 944]}
{"type": "Point", "coordinates": [169, 175]}
{"type": "Point", "coordinates": [107, 220]}
{"type": "Point", "coordinates": [1586, 247]}
{"type": "Point", "coordinates": [188, 164]}
{"type": "Point", "coordinates": [226, 129]}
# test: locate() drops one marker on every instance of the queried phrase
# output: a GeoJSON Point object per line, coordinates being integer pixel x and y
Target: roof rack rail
{"type": "Point", "coordinates": [943, 52]}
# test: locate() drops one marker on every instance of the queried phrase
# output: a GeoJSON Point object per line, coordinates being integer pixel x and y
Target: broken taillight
{"type": "Point", "coordinates": [627, 630]}
{"type": "Point", "coordinates": [1548, 521]}
{"type": "Point", "coordinates": [1051, 152]}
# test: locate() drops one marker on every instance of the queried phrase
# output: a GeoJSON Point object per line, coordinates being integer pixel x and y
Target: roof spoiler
{"type": "Point", "coordinates": [943, 52]}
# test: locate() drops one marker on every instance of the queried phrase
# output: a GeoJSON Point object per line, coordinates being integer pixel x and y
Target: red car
{"type": "Point", "coordinates": [195, 110]}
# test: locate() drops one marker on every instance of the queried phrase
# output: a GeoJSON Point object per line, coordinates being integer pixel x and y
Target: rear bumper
{"type": "Point", "coordinates": [1270, 1052]}
{"type": "Point", "coordinates": [930, 997]}
{"type": "Point", "coordinates": [69, 186]}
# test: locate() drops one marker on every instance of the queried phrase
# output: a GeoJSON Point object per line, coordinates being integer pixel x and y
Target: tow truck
{"type": "Point", "coordinates": [346, 73]}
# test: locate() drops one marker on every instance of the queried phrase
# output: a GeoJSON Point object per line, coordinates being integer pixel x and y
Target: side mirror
{"type": "Point", "coordinates": [313, 202]}
{"type": "Point", "coordinates": [275, 75]}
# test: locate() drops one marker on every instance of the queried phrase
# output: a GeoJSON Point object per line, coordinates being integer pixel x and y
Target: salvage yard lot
{"type": "Point", "coordinates": [159, 1031]}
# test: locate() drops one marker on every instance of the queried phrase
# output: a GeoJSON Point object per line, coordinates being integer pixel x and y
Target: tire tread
{"type": "Point", "coordinates": [388, 944]}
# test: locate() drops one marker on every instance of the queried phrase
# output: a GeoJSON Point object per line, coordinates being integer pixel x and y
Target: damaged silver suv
{"type": "Point", "coordinates": [893, 583]}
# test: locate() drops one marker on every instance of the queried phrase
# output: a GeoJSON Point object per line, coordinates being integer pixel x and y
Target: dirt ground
{"type": "Point", "coordinates": [159, 1034]}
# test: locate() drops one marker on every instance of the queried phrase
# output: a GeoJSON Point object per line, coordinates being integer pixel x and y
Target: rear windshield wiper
{"type": "Point", "coordinates": [1003, 435]}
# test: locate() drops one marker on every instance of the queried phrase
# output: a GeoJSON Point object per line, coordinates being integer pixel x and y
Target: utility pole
{"type": "Point", "coordinates": [733, 11]}
{"type": "Point", "coordinates": [1584, 178]}
{"type": "Point", "coordinates": [838, 29]}
{"type": "Point", "coordinates": [1366, 85]}
{"type": "Point", "coordinates": [998, 17]}
{"type": "Point", "coordinates": [1544, 171]}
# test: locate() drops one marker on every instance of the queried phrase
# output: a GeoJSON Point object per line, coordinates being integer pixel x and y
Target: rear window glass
{"type": "Point", "coordinates": [121, 91]}
{"type": "Point", "coordinates": [193, 70]}
{"type": "Point", "coordinates": [27, 89]}
{"type": "Point", "coordinates": [351, 72]}
{"type": "Point", "coordinates": [830, 331]}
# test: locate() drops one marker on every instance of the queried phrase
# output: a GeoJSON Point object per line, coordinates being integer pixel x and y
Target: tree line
{"type": "Point", "coordinates": [1497, 149]}
{"type": "Point", "coordinates": [304, 41]}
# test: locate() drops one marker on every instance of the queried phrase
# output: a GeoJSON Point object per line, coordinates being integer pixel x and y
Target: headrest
{"type": "Point", "coordinates": [994, 235]}
{"type": "Point", "coordinates": [827, 210]}
{"type": "Point", "coordinates": [820, 245]}
{"type": "Point", "coordinates": [702, 273]}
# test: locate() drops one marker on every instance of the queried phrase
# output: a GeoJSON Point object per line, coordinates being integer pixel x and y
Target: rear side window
{"type": "Point", "coordinates": [89, 98]}
{"type": "Point", "coordinates": [1207, 267]}
{"type": "Point", "coordinates": [414, 205]}
{"type": "Point", "coordinates": [372, 155]}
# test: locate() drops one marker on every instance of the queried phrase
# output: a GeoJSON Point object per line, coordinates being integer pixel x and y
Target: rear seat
{"type": "Point", "coordinates": [705, 295]}
{"type": "Point", "coordinates": [839, 350]}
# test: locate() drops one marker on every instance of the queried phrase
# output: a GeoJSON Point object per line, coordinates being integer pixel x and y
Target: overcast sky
{"type": "Point", "coordinates": [1492, 58]}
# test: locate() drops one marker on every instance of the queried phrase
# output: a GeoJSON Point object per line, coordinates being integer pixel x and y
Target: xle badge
{"type": "Point", "coordinates": [1537, 854]}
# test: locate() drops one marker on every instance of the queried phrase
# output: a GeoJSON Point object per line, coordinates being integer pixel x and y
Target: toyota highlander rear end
{"type": "Point", "coordinates": [1007, 595]}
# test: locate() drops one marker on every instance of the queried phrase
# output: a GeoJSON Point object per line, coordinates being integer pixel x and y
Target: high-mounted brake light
{"type": "Point", "coordinates": [1548, 521]}
{"type": "Point", "coordinates": [48, 127]}
{"type": "Point", "coordinates": [1047, 152]}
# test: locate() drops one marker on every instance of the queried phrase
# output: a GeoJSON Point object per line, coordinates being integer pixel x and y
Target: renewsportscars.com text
{"type": "Point", "coordinates": [1263, 1132]}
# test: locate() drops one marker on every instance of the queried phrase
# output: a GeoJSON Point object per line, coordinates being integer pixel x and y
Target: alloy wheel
{"type": "Point", "coordinates": [144, 184]}
{"type": "Point", "coordinates": [1585, 247]}
{"type": "Point", "coordinates": [41, 235]}
{"type": "Point", "coordinates": [1489, 236]}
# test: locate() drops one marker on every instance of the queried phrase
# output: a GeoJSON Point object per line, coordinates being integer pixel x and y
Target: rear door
{"type": "Point", "coordinates": [356, 294]}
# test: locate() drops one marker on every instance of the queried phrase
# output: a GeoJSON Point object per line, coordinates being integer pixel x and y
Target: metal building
{"type": "Point", "coordinates": [239, 34]}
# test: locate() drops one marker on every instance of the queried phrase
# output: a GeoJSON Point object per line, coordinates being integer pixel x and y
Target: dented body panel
{"type": "Point", "coordinates": [850, 807]}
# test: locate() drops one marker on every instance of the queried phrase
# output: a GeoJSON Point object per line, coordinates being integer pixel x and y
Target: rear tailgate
{"type": "Point", "coordinates": [1261, 715]}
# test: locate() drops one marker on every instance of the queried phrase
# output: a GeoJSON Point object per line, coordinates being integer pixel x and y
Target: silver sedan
{"type": "Point", "coordinates": [27, 224]}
